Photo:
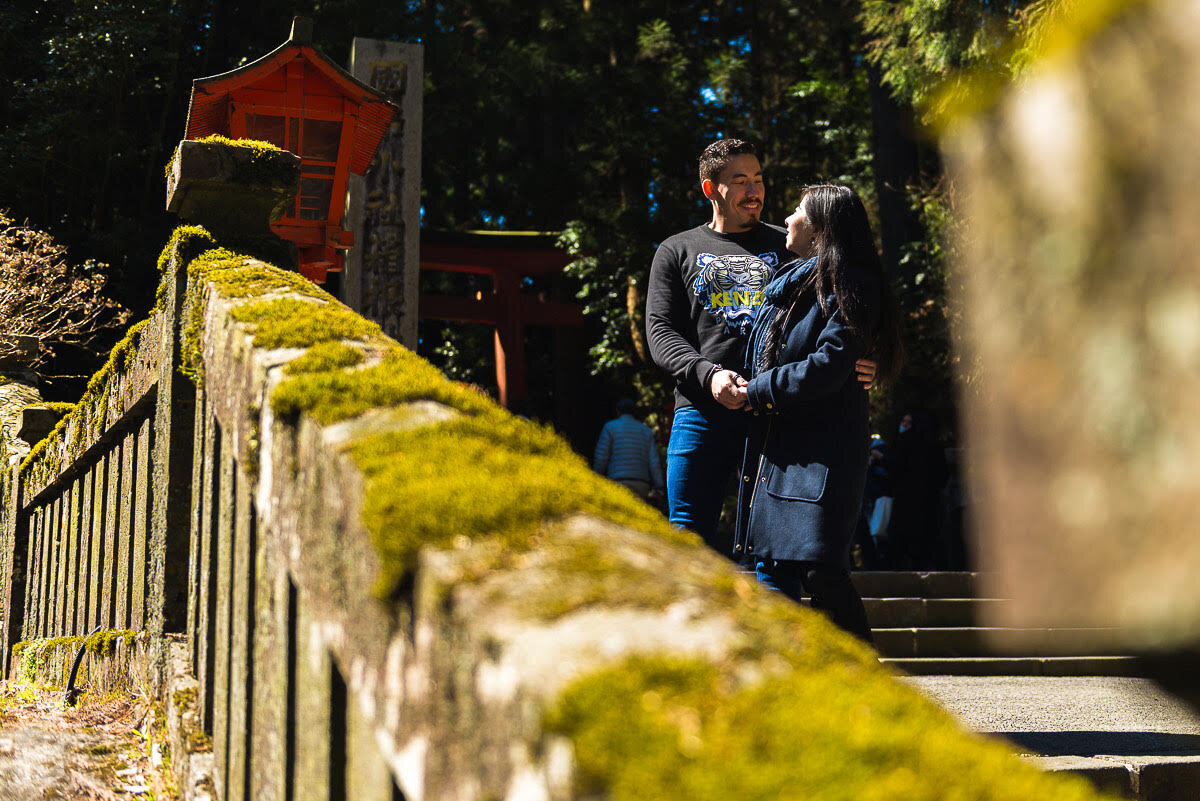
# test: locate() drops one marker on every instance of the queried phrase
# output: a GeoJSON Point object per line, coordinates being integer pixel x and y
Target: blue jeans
{"type": "Point", "coordinates": [830, 588]}
{"type": "Point", "coordinates": [705, 448]}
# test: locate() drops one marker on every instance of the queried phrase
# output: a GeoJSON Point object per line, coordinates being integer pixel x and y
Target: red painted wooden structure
{"type": "Point", "coordinates": [297, 99]}
{"type": "Point", "coordinates": [508, 257]}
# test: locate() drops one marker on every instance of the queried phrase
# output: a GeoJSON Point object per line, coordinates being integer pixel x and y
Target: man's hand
{"type": "Point", "coordinates": [864, 370]}
{"type": "Point", "coordinates": [728, 389]}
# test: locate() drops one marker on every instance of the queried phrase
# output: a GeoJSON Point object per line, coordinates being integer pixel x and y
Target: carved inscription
{"type": "Point", "coordinates": [383, 289]}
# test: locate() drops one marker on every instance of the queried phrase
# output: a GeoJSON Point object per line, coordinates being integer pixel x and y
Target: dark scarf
{"type": "Point", "coordinates": [762, 351]}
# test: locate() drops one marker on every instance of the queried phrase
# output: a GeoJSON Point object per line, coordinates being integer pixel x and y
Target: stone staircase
{"type": "Point", "coordinates": [929, 624]}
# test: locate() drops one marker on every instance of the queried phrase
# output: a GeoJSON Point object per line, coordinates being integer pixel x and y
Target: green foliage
{"type": "Point", "coordinates": [930, 312]}
{"type": "Point", "coordinates": [920, 45]}
{"type": "Point", "coordinates": [952, 59]}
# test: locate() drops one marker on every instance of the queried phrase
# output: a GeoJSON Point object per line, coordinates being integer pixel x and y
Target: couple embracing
{"type": "Point", "coordinates": [773, 336]}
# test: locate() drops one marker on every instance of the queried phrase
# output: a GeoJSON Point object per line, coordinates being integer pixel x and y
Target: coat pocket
{"type": "Point", "coordinates": [797, 482]}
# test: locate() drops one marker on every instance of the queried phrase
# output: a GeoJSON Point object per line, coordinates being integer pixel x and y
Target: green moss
{"type": "Point", "coordinates": [104, 642]}
{"type": "Point", "coordinates": [198, 740]}
{"type": "Point", "coordinates": [676, 729]}
{"type": "Point", "coordinates": [59, 408]}
{"type": "Point", "coordinates": [325, 357]}
{"type": "Point", "coordinates": [400, 377]}
{"type": "Point", "coordinates": [261, 148]}
{"type": "Point", "coordinates": [184, 699]}
{"type": "Point", "coordinates": [520, 474]}
{"type": "Point", "coordinates": [492, 476]}
{"type": "Point", "coordinates": [33, 655]}
{"type": "Point", "coordinates": [294, 323]}
{"type": "Point", "coordinates": [188, 241]}
{"type": "Point", "coordinates": [231, 275]}
{"type": "Point", "coordinates": [584, 574]}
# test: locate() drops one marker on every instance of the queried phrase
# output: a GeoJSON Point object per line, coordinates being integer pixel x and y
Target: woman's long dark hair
{"type": "Point", "coordinates": [845, 251]}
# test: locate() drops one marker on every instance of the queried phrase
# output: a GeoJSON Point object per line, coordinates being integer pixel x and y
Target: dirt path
{"type": "Point", "coordinates": [94, 752]}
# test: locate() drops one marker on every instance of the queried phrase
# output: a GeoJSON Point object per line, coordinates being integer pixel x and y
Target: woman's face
{"type": "Point", "coordinates": [800, 233]}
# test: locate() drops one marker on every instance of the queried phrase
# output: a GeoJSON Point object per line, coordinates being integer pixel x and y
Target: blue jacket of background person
{"type": "Point", "coordinates": [806, 456]}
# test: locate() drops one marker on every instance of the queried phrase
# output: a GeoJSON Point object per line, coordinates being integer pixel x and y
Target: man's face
{"type": "Point", "coordinates": [738, 193]}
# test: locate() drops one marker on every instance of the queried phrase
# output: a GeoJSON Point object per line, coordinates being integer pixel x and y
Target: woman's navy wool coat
{"type": "Point", "coordinates": [806, 456]}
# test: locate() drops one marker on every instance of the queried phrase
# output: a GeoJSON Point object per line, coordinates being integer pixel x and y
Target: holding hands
{"type": "Point", "coordinates": [729, 389]}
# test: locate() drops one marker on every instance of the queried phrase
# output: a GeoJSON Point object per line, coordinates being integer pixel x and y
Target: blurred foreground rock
{"type": "Point", "coordinates": [1083, 306]}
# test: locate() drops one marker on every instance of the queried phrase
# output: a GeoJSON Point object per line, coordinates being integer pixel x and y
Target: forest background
{"type": "Point", "coordinates": [579, 116]}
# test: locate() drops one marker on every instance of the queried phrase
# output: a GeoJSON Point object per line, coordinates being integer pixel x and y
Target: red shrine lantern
{"type": "Point", "coordinates": [297, 99]}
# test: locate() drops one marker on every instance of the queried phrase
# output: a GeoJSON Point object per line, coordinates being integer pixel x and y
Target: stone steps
{"type": "Point", "coordinates": [926, 612]}
{"type": "Point", "coordinates": [983, 641]}
{"type": "Point", "coordinates": [1064, 697]}
{"type": "Point", "coordinates": [934, 623]}
{"type": "Point", "coordinates": [912, 584]}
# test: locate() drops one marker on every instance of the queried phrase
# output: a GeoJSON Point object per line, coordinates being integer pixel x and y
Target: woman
{"type": "Point", "coordinates": [804, 471]}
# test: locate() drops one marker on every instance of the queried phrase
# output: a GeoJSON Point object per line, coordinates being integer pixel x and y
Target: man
{"type": "Point", "coordinates": [706, 284]}
{"type": "Point", "coordinates": [627, 454]}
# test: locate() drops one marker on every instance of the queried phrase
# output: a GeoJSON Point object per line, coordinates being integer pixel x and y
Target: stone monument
{"type": "Point", "coordinates": [382, 269]}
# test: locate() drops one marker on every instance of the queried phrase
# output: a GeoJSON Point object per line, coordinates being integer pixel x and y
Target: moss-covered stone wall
{"type": "Point", "coordinates": [113, 662]}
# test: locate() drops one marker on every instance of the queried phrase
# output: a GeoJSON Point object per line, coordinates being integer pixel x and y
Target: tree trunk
{"type": "Point", "coordinates": [897, 158]}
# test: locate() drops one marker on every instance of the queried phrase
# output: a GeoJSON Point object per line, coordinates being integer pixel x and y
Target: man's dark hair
{"type": "Point", "coordinates": [626, 406]}
{"type": "Point", "coordinates": [717, 156]}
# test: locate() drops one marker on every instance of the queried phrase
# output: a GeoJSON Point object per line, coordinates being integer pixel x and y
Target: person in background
{"type": "Point", "coordinates": [919, 471]}
{"type": "Point", "coordinates": [870, 534]}
{"type": "Point", "coordinates": [804, 469]}
{"type": "Point", "coordinates": [627, 454]}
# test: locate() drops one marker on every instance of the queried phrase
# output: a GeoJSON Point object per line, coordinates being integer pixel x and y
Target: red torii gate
{"type": "Point", "coordinates": [508, 257]}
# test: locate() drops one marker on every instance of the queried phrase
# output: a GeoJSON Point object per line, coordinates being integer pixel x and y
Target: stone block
{"type": "Point", "coordinates": [36, 422]}
{"type": "Point", "coordinates": [232, 191]}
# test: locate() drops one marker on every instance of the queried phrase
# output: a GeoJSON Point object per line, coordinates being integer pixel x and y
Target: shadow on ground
{"type": "Point", "coordinates": [1108, 743]}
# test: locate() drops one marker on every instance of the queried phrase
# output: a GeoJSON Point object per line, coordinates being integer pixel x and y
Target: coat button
{"type": "Point", "coordinates": [756, 414]}
{"type": "Point", "coordinates": [749, 549]}
{"type": "Point", "coordinates": [747, 478]}
{"type": "Point", "coordinates": [769, 406]}
{"type": "Point", "coordinates": [737, 548]}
